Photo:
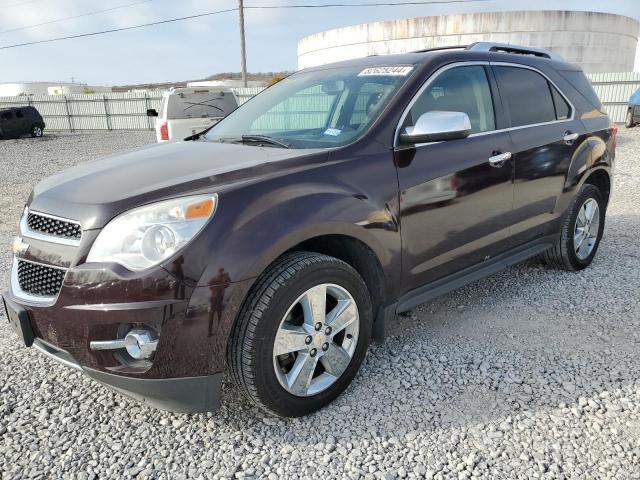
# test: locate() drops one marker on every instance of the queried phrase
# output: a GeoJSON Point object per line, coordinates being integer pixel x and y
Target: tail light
{"type": "Point", "coordinates": [164, 131]}
{"type": "Point", "coordinates": [613, 128]}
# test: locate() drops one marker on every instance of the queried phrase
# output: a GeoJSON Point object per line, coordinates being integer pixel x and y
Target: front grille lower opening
{"type": "Point", "coordinates": [39, 280]}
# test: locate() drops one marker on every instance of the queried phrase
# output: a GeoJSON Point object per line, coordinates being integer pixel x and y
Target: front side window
{"type": "Point", "coordinates": [316, 109]}
{"type": "Point", "coordinates": [460, 89]}
{"type": "Point", "coordinates": [528, 96]}
{"type": "Point", "coordinates": [6, 116]}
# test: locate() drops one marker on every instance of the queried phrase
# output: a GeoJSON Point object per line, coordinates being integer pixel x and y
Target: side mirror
{"type": "Point", "coordinates": [152, 112]}
{"type": "Point", "coordinates": [437, 126]}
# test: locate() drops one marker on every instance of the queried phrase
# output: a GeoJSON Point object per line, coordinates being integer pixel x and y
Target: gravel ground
{"type": "Point", "coordinates": [532, 373]}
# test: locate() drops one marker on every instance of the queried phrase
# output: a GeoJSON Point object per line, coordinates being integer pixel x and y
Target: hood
{"type": "Point", "coordinates": [94, 192]}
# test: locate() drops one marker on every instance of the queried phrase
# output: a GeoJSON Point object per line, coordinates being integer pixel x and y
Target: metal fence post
{"type": "Point", "coordinates": [146, 103]}
{"type": "Point", "coordinates": [66, 104]}
{"type": "Point", "coordinates": [106, 112]}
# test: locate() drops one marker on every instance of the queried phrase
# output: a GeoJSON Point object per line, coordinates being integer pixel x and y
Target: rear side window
{"type": "Point", "coordinates": [460, 89]}
{"type": "Point", "coordinates": [528, 96]}
{"type": "Point", "coordinates": [19, 114]}
{"type": "Point", "coordinates": [577, 79]}
{"type": "Point", "coordinates": [563, 110]}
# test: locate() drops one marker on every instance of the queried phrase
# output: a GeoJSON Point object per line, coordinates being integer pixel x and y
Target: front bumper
{"type": "Point", "coordinates": [193, 324]}
{"type": "Point", "coordinates": [184, 395]}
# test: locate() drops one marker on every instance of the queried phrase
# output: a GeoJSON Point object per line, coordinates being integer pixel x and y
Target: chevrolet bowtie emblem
{"type": "Point", "coordinates": [18, 246]}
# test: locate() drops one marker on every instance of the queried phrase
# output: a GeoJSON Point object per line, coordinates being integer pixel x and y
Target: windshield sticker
{"type": "Point", "coordinates": [332, 132]}
{"type": "Point", "coordinates": [390, 71]}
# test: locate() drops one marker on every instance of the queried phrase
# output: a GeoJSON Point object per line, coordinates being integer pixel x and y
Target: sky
{"type": "Point", "coordinates": [196, 48]}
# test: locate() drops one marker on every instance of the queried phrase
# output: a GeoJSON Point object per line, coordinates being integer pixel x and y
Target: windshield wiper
{"type": "Point", "coordinates": [265, 139]}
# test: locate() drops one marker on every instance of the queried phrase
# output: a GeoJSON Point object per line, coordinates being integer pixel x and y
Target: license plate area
{"type": "Point", "coordinates": [19, 320]}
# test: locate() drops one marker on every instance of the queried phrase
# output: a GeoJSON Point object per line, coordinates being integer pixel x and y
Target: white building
{"type": "Point", "coordinates": [598, 42]}
{"type": "Point", "coordinates": [47, 88]}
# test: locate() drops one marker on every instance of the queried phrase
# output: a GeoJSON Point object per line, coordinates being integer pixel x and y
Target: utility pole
{"type": "Point", "coordinates": [243, 52]}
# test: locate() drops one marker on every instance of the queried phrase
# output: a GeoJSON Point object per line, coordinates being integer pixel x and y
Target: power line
{"type": "Point", "coordinates": [19, 4]}
{"type": "Point", "coordinates": [113, 30]}
{"type": "Point", "coordinates": [218, 12]}
{"type": "Point", "coordinates": [373, 4]}
{"type": "Point", "coordinates": [88, 14]}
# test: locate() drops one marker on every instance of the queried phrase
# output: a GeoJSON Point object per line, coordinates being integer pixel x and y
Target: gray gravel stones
{"type": "Point", "coordinates": [532, 373]}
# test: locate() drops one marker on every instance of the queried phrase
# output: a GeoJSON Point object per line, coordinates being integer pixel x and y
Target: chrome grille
{"type": "Point", "coordinates": [39, 280]}
{"type": "Point", "coordinates": [53, 226]}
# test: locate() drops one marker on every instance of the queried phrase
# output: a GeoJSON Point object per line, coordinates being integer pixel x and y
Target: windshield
{"type": "Point", "coordinates": [315, 109]}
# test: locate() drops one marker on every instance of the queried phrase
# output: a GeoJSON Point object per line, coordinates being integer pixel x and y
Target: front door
{"type": "Point", "coordinates": [455, 204]}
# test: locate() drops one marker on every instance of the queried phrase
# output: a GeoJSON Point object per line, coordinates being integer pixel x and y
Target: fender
{"type": "Point", "coordinates": [257, 223]}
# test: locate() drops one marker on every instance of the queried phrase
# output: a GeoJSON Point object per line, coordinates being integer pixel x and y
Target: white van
{"type": "Point", "coordinates": [188, 111]}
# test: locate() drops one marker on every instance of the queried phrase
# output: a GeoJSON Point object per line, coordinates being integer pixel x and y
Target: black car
{"type": "Point", "coordinates": [279, 243]}
{"type": "Point", "coordinates": [16, 122]}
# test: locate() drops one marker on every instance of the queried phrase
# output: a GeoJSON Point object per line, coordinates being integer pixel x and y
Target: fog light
{"type": "Point", "coordinates": [140, 344]}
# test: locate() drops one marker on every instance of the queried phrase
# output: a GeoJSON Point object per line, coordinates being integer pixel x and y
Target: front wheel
{"type": "Point", "coordinates": [302, 334]}
{"type": "Point", "coordinates": [581, 231]}
{"type": "Point", "coordinates": [36, 131]}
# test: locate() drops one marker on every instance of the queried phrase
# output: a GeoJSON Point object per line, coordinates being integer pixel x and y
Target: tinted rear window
{"type": "Point", "coordinates": [199, 105]}
{"type": "Point", "coordinates": [527, 94]}
{"type": "Point", "coordinates": [580, 83]}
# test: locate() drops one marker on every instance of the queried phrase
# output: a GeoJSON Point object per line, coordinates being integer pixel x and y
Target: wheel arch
{"type": "Point", "coordinates": [601, 179]}
{"type": "Point", "coordinates": [357, 254]}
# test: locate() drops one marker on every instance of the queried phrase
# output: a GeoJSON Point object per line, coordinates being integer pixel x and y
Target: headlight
{"type": "Point", "coordinates": [145, 236]}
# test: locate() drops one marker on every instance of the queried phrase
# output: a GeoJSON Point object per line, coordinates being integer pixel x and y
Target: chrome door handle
{"type": "Point", "coordinates": [570, 137]}
{"type": "Point", "coordinates": [499, 159]}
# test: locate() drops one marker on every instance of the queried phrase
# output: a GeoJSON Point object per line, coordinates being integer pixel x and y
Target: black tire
{"type": "Point", "coordinates": [563, 255]}
{"type": "Point", "coordinates": [37, 131]}
{"type": "Point", "coordinates": [250, 348]}
{"type": "Point", "coordinates": [629, 123]}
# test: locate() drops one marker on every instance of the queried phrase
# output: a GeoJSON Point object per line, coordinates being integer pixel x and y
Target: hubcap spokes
{"type": "Point", "coordinates": [316, 340]}
{"type": "Point", "coordinates": [585, 234]}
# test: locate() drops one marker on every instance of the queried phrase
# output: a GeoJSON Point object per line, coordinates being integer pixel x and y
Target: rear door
{"type": "Point", "coordinates": [22, 126]}
{"type": "Point", "coordinates": [455, 205]}
{"type": "Point", "coordinates": [545, 135]}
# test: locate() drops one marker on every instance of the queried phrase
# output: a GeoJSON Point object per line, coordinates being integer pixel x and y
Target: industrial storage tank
{"type": "Point", "coordinates": [598, 42]}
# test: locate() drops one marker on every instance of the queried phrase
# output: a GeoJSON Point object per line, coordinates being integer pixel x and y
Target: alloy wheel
{"type": "Point", "coordinates": [587, 227]}
{"type": "Point", "coordinates": [316, 340]}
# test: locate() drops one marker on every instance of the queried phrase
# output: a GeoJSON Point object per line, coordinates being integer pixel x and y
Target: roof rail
{"type": "Point", "coordinates": [517, 49]}
{"type": "Point", "coordinates": [435, 49]}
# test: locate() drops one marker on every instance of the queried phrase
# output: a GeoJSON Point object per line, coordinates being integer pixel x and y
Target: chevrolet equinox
{"type": "Point", "coordinates": [280, 242]}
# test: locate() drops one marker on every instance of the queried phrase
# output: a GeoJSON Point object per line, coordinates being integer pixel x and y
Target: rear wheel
{"type": "Point", "coordinates": [581, 232]}
{"type": "Point", "coordinates": [629, 123]}
{"type": "Point", "coordinates": [302, 334]}
{"type": "Point", "coordinates": [36, 131]}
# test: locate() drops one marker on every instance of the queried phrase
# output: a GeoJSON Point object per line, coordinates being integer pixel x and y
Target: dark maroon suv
{"type": "Point", "coordinates": [280, 242]}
